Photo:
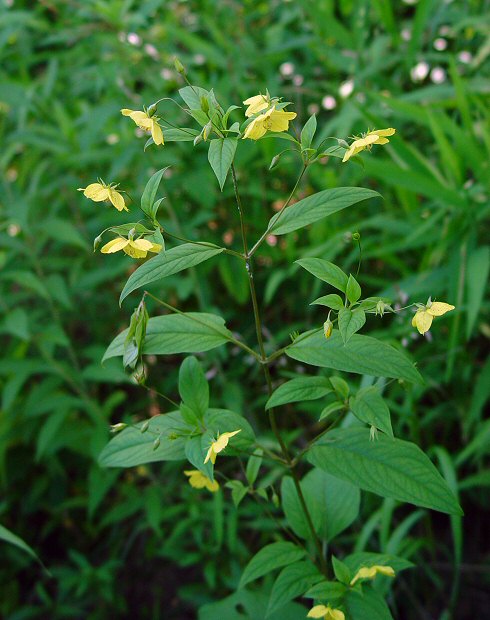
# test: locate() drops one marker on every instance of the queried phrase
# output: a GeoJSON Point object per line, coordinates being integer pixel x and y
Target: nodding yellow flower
{"type": "Point", "coordinates": [146, 122]}
{"type": "Point", "coordinates": [376, 136]}
{"type": "Point", "coordinates": [370, 572]}
{"type": "Point", "coordinates": [424, 316]}
{"type": "Point", "coordinates": [136, 248]}
{"type": "Point", "coordinates": [256, 104]}
{"type": "Point", "coordinates": [219, 445]}
{"type": "Point", "coordinates": [100, 191]}
{"type": "Point", "coordinates": [198, 480]}
{"type": "Point", "coordinates": [271, 120]}
{"type": "Point", "coordinates": [326, 613]}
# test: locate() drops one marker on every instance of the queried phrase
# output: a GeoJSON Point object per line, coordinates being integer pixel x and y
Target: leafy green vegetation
{"type": "Point", "coordinates": [118, 530]}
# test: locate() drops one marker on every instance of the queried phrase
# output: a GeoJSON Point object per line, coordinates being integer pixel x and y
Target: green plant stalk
{"type": "Point", "coordinates": [263, 357]}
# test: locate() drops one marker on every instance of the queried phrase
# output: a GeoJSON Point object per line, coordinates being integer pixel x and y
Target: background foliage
{"type": "Point", "coordinates": [150, 542]}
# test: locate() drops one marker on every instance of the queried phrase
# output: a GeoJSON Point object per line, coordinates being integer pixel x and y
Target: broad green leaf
{"type": "Point", "coordinates": [350, 322]}
{"type": "Point", "coordinates": [292, 581]}
{"type": "Point", "coordinates": [220, 155]}
{"type": "Point", "coordinates": [333, 301]}
{"type": "Point", "coordinates": [167, 263]}
{"type": "Point", "coordinates": [308, 132]}
{"type": "Point", "coordinates": [370, 407]}
{"type": "Point", "coordinates": [131, 447]}
{"type": "Point", "coordinates": [332, 503]}
{"type": "Point", "coordinates": [193, 387]}
{"type": "Point", "coordinates": [301, 388]}
{"type": "Point", "coordinates": [331, 591]}
{"type": "Point", "coordinates": [362, 354]}
{"type": "Point", "coordinates": [388, 467]}
{"type": "Point", "coordinates": [316, 207]}
{"type": "Point", "coordinates": [224, 421]}
{"type": "Point", "coordinates": [366, 605]}
{"type": "Point", "coordinates": [326, 271]}
{"type": "Point", "coordinates": [179, 134]}
{"type": "Point", "coordinates": [269, 558]}
{"type": "Point", "coordinates": [353, 290]}
{"type": "Point", "coordinates": [192, 332]}
{"type": "Point", "coordinates": [192, 96]}
{"type": "Point", "coordinates": [150, 191]}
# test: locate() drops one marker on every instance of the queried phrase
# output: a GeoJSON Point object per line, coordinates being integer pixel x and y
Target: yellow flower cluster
{"type": "Point", "coordinates": [272, 119]}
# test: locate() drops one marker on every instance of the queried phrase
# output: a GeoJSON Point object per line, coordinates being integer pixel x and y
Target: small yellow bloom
{"type": "Point", "coordinates": [136, 248]}
{"type": "Point", "coordinates": [198, 480]}
{"type": "Point", "coordinates": [272, 120]}
{"type": "Point", "coordinates": [100, 191]}
{"type": "Point", "coordinates": [422, 319]}
{"type": "Point", "coordinates": [376, 136]}
{"type": "Point", "coordinates": [370, 572]}
{"type": "Point", "coordinates": [256, 104]}
{"type": "Point", "coordinates": [219, 445]}
{"type": "Point", "coordinates": [146, 122]}
{"type": "Point", "coordinates": [326, 613]}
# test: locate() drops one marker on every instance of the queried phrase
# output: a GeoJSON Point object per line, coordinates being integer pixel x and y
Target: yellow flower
{"type": "Point", "coordinates": [376, 136]}
{"type": "Point", "coordinates": [219, 445]}
{"type": "Point", "coordinates": [100, 191]}
{"type": "Point", "coordinates": [146, 122]}
{"type": "Point", "coordinates": [326, 613]}
{"type": "Point", "coordinates": [198, 480]}
{"type": "Point", "coordinates": [422, 319]}
{"type": "Point", "coordinates": [370, 572]}
{"type": "Point", "coordinates": [256, 104]}
{"type": "Point", "coordinates": [272, 120]}
{"type": "Point", "coordinates": [137, 248]}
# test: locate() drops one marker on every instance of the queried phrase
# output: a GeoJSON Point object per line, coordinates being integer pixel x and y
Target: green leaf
{"type": "Point", "coordinates": [131, 447]}
{"type": "Point", "coordinates": [195, 453]}
{"type": "Point", "coordinates": [387, 467]}
{"type": "Point", "coordinates": [11, 538]}
{"type": "Point", "coordinates": [333, 504]}
{"type": "Point", "coordinates": [301, 388]}
{"type": "Point", "coordinates": [308, 132]}
{"type": "Point", "coordinates": [222, 421]}
{"type": "Point", "coordinates": [341, 570]}
{"type": "Point", "coordinates": [150, 191]}
{"type": "Point", "coordinates": [269, 558]}
{"type": "Point", "coordinates": [253, 466]}
{"type": "Point", "coordinates": [245, 605]}
{"type": "Point", "coordinates": [179, 134]}
{"type": "Point", "coordinates": [326, 271]}
{"type": "Point", "coordinates": [192, 96]}
{"type": "Point", "coordinates": [353, 290]}
{"type": "Point", "coordinates": [476, 282]}
{"type": "Point", "coordinates": [193, 387]}
{"type": "Point", "coordinates": [316, 207]}
{"type": "Point", "coordinates": [333, 301]}
{"type": "Point", "coordinates": [350, 322]}
{"type": "Point", "coordinates": [220, 155]}
{"type": "Point", "coordinates": [291, 582]}
{"type": "Point", "coordinates": [167, 263]}
{"type": "Point", "coordinates": [330, 591]}
{"type": "Point", "coordinates": [366, 605]}
{"type": "Point", "coordinates": [192, 332]}
{"type": "Point", "coordinates": [238, 491]}
{"type": "Point", "coordinates": [370, 407]}
{"type": "Point", "coordinates": [362, 354]}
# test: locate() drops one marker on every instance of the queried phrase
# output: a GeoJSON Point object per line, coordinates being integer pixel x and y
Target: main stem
{"type": "Point", "coordinates": [263, 358]}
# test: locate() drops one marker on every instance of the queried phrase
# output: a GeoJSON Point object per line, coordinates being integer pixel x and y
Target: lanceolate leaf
{"type": "Point", "coordinates": [362, 354]}
{"type": "Point", "coordinates": [167, 263]}
{"type": "Point", "coordinates": [191, 332]}
{"type": "Point", "coordinates": [301, 388]}
{"type": "Point", "coordinates": [221, 153]}
{"type": "Point", "coordinates": [150, 191]}
{"type": "Point", "coordinates": [316, 207]}
{"type": "Point", "coordinates": [326, 271]}
{"type": "Point", "coordinates": [292, 581]}
{"type": "Point", "coordinates": [269, 558]}
{"type": "Point", "coordinates": [388, 467]}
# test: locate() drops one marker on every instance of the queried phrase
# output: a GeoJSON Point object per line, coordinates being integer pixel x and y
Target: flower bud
{"type": "Point", "coordinates": [179, 67]}
{"type": "Point", "coordinates": [380, 308]}
{"type": "Point", "coordinates": [327, 328]}
{"type": "Point", "coordinates": [198, 139]}
{"type": "Point", "coordinates": [156, 444]}
{"type": "Point", "coordinates": [204, 104]}
{"type": "Point", "coordinates": [207, 130]}
{"type": "Point", "coordinates": [151, 109]}
{"type": "Point", "coordinates": [356, 236]}
{"type": "Point", "coordinates": [145, 426]}
{"type": "Point", "coordinates": [97, 242]}
{"type": "Point", "coordinates": [275, 161]}
{"type": "Point", "coordinates": [116, 428]}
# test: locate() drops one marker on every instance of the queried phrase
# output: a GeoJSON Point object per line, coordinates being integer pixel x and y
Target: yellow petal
{"type": "Point", "coordinates": [137, 248]}
{"type": "Point", "coordinates": [438, 308]}
{"type": "Point", "coordinates": [385, 570]}
{"type": "Point", "coordinates": [383, 132]}
{"type": "Point", "coordinates": [155, 247]}
{"type": "Point", "coordinates": [156, 132]}
{"type": "Point", "coordinates": [115, 245]}
{"type": "Point", "coordinates": [382, 141]}
{"type": "Point", "coordinates": [222, 441]}
{"type": "Point", "coordinates": [117, 200]}
{"type": "Point", "coordinates": [96, 192]}
{"type": "Point", "coordinates": [256, 104]}
{"type": "Point", "coordinates": [126, 112]}
{"type": "Point", "coordinates": [370, 572]}
{"type": "Point", "coordinates": [210, 455]}
{"type": "Point", "coordinates": [335, 614]}
{"type": "Point", "coordinates": [279, 120]}
{"type": "Point", "coordinates": [256, 129]}
{"type": "Point", "coordinates": [318, 611]}
{"type": "Point", "coordinates": [211, 485]}
{"type": "Point", "coordinates": [422, 320]}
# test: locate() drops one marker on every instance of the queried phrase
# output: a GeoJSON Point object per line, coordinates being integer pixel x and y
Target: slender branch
{"type": "Point", "coordinates": [263, 358]}
{"type": "Point", "coordinates": [277, 218]}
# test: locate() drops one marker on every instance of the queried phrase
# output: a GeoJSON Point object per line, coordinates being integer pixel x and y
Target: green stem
{"type": "Point", "coordinates": [263, 357]}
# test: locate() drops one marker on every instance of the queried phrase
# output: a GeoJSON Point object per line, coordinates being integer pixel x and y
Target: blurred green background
{"type": "Point", "coordinates": [141, 543]}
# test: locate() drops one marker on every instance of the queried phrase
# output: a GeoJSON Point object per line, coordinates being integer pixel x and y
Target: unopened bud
{"type": "Point", "coordinates": [275, 161]}
{"type": "Point", "coordinates": [197, 139]}
{"type": "Point", "coordinates": [373, 433]}
{"type": "Point", "coordinates": [152, 109]}
{"type": "Point", "coordinates": [145, 426]}
{"type": "Point", "coordinates": [327, 328]}
{"type": "Point", "coordinates": [116, 428]}
{"type": "Point", "coordinates": [356, 236]}
{"type": "Point", "coordinates": [172, 436]}
{"type": "Point", "coordinates": [207, 130]}
{"type": "Point", "coordinates": [156, 444]}
{"type": "Point", "coordinates": [380, 308]}
{"type": "Point", "coordinates": [179, 67]}
{"type": "Point", "coordinates": [204, 104]}
{"type": "Point", "coordinates": [132, 233]}
{"type": "Point", "coordinates": [97, 242]}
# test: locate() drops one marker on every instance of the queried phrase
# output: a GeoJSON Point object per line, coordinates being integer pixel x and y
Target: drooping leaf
{"type": "Point", "coordinates": [220, 155]}
{"type": "Point", "coordinates": [388, 467]}
{"type": "Point", "coordinates": [167, 263]}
